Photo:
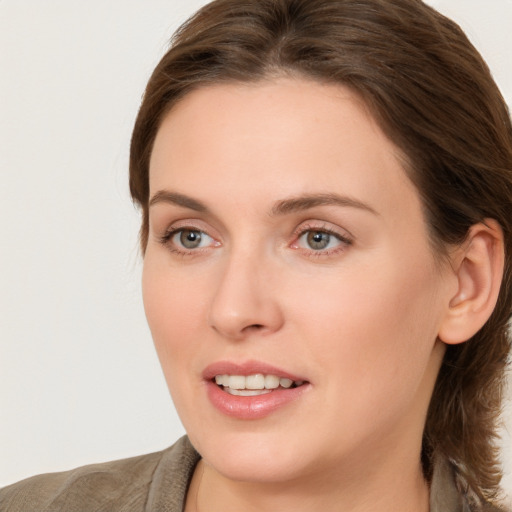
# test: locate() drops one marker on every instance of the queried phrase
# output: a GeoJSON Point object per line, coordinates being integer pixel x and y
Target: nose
{"type": "Point", "coordinates": [246, 299]}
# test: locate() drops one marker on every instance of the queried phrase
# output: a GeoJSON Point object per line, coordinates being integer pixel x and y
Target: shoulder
{"type": "Point", "coordinates": [102, 486]}
{"type": "Point", "coordinates": [119, 485]}
{"type": "Point", "coordinates": [488, 507]}
{"type": "Point", "coordinates": [448, 492]}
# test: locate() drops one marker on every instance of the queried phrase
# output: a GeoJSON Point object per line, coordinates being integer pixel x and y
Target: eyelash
{"type": "Point", "coordinates": [166, 240]}
{"type": "Point", "coordinates": [345, 241]}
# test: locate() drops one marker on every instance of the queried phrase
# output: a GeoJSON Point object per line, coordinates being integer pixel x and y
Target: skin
{"type": "Point", "coordinates": [359, 319]}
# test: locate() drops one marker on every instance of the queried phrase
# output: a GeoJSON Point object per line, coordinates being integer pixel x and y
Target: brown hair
{"type": "Point", "coordinates": [434, 97]}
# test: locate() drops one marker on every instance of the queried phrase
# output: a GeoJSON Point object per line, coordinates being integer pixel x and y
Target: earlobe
{"type": "Point", "coordinates": [479, 270]}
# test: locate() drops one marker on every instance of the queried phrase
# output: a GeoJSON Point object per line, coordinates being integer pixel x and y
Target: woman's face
{"type": "Point", "coordinates": [286, 242]}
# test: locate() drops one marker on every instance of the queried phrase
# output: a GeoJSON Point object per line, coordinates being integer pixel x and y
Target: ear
{"type": "Point", "coordinates": [478, 264]}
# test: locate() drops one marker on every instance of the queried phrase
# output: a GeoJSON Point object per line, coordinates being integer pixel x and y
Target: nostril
{"type": "Point", "coordinates": [255, 327]}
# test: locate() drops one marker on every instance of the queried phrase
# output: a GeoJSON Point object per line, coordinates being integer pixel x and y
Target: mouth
{"type": "Point", "coordinates": [252, 390]}
{"type": "Point", "coordinates": [254, 385]}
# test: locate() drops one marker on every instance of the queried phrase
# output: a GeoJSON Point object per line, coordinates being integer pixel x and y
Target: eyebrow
{"type": "Point", "coordinates": [165, 196]}
{"type": "Point", "coordinates": [283, 207]}
{"type": "Point", "coordinates": [305, 202]}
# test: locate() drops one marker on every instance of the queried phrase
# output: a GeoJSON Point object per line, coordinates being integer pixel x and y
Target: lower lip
{"type": "Point", "coordinates": [252, 407]}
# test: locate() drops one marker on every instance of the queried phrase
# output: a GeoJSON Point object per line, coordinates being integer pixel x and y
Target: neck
{"type": "Point", "coordinates": [396, 486]}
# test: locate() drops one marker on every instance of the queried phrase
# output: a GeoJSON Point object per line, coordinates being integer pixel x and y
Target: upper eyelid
{"type": "Point", "coordinates": [172, 214]}
{"type": "Point", "coordinates": [328, 227]}
{"type": "Point", "coordinates": [172, 231]}
{"type": "Point", "coordinates": [192, 225]}
{"type": "Point", "coordinates": [341, 238]}
{"type": "Point", "coordinates": [322, 229]}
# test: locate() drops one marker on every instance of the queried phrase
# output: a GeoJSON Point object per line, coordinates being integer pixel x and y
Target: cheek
{"type": "Point", "coordinates": [174, 304]}
{"type": "Point", "coordinates": [373, 325]}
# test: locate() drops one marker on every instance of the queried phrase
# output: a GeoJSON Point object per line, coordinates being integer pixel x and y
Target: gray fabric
{"type": "Point", "coordinates": [443, 493]}
{"type": "Point", "coordinates": [172, 477]}
{"type": "Point", "coordinates": [154, 482]}
{"type": "Point", "coordinates": [157, 482]}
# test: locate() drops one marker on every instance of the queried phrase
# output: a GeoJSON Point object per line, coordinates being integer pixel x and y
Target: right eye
{"type": "Point", "coordinates": [320, 240]}
{"type": "Point", "coordinates": [191, 238]}
{"type": "Point", "coordinates": [188, 239]}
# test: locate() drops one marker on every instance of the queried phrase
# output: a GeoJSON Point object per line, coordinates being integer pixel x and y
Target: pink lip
{"type": "Point", "coordinates": [250, 407]}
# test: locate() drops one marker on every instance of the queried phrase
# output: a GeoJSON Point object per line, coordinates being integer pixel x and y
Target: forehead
{"type": "Point", "coordinates": [285, 136]}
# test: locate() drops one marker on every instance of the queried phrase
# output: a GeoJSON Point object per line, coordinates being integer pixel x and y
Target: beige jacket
{"type": "Point", "coordinates": [150, 483]}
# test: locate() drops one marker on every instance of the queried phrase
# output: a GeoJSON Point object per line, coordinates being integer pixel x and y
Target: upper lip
{"type": "Point", "coordinates": [247, 368]}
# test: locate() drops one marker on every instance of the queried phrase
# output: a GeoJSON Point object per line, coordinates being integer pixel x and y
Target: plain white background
{"type": "Point", "coordinates": [79, 379]}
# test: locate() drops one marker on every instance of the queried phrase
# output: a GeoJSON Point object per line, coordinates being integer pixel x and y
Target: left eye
{"type": "Point", "coordinates": [191, 239]}
{"type": "Point", "coordinates": [319, 240]}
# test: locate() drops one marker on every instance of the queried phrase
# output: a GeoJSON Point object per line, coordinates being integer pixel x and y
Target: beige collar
{"type": "Point", "coordinates": [444, 496]}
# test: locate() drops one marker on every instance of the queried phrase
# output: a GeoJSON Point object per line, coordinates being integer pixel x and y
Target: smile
{"type": "Point", "coordinates": [254, 385]}
{"type": "Point", "coordinates": [252, 390]}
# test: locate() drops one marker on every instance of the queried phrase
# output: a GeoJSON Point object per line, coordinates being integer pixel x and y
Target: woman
{"type": "Point", "coordinates": [326, 205]}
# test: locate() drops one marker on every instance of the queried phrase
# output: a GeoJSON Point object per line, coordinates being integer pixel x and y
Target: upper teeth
{"type": "Point", "coordinates": [256, 381]}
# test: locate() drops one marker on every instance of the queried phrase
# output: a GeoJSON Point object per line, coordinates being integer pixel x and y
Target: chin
{"type": "Point", "coordinates": [254, 456]}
